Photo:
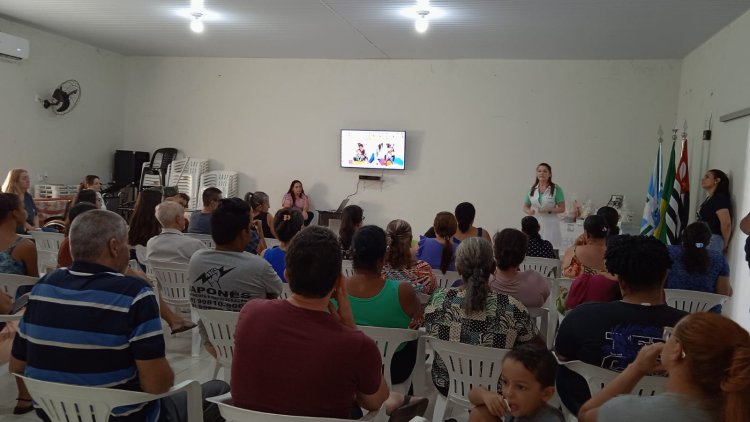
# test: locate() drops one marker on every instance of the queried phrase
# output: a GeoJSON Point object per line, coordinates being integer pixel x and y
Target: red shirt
{"type": "Point", "coordinates": [294, 361]}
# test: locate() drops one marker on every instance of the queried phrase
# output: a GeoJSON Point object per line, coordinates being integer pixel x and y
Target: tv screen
{"type": "Point", "coordinates": [373, 149]}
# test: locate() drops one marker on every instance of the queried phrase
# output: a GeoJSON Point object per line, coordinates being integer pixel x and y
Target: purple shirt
{"type": "Point", "coordinates": [430, 251]}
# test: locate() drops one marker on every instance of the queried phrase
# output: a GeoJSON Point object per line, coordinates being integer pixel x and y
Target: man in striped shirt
{"type": "Point", "coordinates": [91, 325]}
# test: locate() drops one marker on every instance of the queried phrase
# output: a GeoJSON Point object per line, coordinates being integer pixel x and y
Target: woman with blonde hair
{"type": "Point", "coordinates": [18, 182]}
{"type": "Point", "coordinates": [707, 357]}
{"type": "Point", "coordinates": [400, 263]}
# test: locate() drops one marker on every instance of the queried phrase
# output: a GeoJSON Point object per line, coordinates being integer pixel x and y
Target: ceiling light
{"type": "Point", "coordinates": [422, 22]}
{"type": "Point", "coordinates": [196, 25]}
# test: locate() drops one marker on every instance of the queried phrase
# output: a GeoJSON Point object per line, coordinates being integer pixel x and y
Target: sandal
{"type": "Point", "coordinates": [22, 410]}
{"type": "Point", "coordinates": [409, 409]}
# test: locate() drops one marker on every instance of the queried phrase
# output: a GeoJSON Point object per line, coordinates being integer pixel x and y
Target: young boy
{"type": "Point", "coordinates": [527, 381]}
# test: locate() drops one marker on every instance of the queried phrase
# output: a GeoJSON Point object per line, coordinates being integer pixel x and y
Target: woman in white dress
{"type": "Point", "coordinates": [544, 201]}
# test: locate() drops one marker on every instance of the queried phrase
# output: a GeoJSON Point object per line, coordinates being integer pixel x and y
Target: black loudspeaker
{"type": "Point", "coordinates": [128, 166]}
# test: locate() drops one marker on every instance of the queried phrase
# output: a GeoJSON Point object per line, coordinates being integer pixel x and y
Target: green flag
{"type": "Point", "coordinates": [666, 197]}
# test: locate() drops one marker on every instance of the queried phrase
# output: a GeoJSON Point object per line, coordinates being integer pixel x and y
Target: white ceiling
{"type": "Point", "coordinates": [359, 29]}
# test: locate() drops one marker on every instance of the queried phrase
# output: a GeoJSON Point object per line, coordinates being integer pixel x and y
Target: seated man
{"type": "Point", "coordinates": [610, 334]}
{"type": "Point", "coordinates": [91, 325]}
{"type": "Point", "coordinates": [200, 221]}
{"type": "Point", "coordinates": [171, 245]}
{"type": "Point", "coordinates": [225, 278]}
{"type": "Point", "coordinates": [321, 362]}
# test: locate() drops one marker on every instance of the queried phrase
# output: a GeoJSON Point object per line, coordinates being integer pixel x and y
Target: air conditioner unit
{"type": "Point", "coordinates": [13, 48]}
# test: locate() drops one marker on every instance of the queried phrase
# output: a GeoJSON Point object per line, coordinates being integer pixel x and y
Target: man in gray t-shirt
{"type": "Point", "coordinates": [227, 277]}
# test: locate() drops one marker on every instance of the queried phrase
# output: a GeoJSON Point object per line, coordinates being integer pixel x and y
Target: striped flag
{"type": "Point", "coordinates": [650, 220]}
{"type": "Point", "coordinates": [683, 179]}
{"type": "Point", "coordinates": [669, 219]}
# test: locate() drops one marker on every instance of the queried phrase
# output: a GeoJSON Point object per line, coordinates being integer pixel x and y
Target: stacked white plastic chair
{"type": "Point", "coordinates": [185, 174]}
{"type": "Point", "coordinates": [47, 245]}
{"type": "Point", "coordinates": [226, 181]}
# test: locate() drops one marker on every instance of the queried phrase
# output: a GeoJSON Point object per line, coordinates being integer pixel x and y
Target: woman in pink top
{"type": "Point", "coordinates": [296, 198]}
{"type": "Point", "coordinates": [529, 287]}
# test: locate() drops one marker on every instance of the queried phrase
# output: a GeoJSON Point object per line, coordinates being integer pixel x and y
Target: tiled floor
{"type": "Point", "coordinates": [184, 366]}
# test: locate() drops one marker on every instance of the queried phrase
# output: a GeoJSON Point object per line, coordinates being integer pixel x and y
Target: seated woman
{"type": "Point", "coordinates": [64, 259]}
{"type": "Point", "coordinates": [18, 182]}
{"type": "Point", "coordinates": [472, 313]}
{"type": "Point", "coordinates": [296, 198]}
{"type": "Point", "coordinates": [529, 287]}
{"type": "Point", "coordinates": [92, 182]}
{"type": "Point", "coordinates": [707, 357]}
{"type": "Point", "coordinates": [465, 213]}
{"type": "Point", "coordinates": [351, 220]}
{"type": "Point", "coordinates": [695, 267]}
{"type": "Point", "coordinates": [259, 205]}
{"type": "Point", "coordinates": [380, 302]}
{"type": "Point", "coordinates": [288, 222]}
{"type": "Point", "coordinates": [17, 256]}
{"type": "Point", "coordinates": [400, 263]}
{"type": "Point", "coordinates": [538, 247]}
{"type": "Point", "coordinates": [592, 282]}
{"type": "Point", "coordinates": [439, 251]}
{"type": "Point", "coordinates": [589, 256]}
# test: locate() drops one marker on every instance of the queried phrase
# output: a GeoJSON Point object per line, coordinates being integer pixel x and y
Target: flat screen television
{"type": "Point", "coordinates": [373, 149]}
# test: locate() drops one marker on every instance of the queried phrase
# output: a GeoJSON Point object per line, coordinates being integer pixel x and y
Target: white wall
{"type": "Point", "coordinates": [715, 80]}
{"type": "Point", "coordinates": [475, 129]}
{"type": "Point", "coordinates": [67, 147]}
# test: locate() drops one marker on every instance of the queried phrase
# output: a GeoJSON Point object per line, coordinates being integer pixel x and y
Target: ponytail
{"type": "Point", "coordinates": [475, 264]}
{"type": "Point", "coordinates": [447, 255]}
{"type": "Point", "coordinates": [695, 239]}
{"type": "Point", "coordinates": [477, 290]}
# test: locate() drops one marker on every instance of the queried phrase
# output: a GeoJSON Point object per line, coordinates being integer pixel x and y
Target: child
{"type": "Point", "coordinates": [527, 381]}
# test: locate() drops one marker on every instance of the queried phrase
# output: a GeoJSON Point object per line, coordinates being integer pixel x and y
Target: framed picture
{"type": "Point", "coordinates": [615, 201]}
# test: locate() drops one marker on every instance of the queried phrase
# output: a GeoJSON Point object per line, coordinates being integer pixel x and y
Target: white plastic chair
{"type": "Point", "coordinates": [174, 288]}
{"type": "Point", "coordinates": [64, 402]}
{"type": "Point", "coordinates": [387, 340]}
{"type": "Point", "coordinates": [597, 378]}
{"type": "Point", "coordinates": [346, 267]}
{"type": "Point", "coordinates": [446, 280]}
{"type": "Point", "coordinates": [9, 283]}
{"type": "Point", "coordinates": [236, 414]}
{"type": "Point", "coordinates": [220, 327]}
{"type": "Point", "coordinates": [548, 267]}
{"type": "Point", "coordinates": [468, 366]}
{"type": "Point", "coordinates": [140, 254]}
{"type": "Point", "coordinates": [692, 301]}
{"type": "Point", "coordinates": [205, 238]}
{"type": "Point", "coordinates": [286, 292]}
{"type": "Point", "coordinates": [541, 317]}
{"type": "Point", "coordinates": [47, 245]}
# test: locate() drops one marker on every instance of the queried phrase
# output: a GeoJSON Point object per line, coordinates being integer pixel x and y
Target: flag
{"type": "Point", "coordinates": [650, 220]}
{"type": "Point", "coordinates": [683, 178]}
{"type": "Point", "coordinates": [668, 206]}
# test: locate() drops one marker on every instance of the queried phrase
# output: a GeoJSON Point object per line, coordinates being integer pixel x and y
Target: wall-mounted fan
{"type": "Point", "coordinates": [64, 98]}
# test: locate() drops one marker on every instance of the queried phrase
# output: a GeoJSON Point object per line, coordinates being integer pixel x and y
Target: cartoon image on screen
{"type": "Point", "coordinates": [374, 149]}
